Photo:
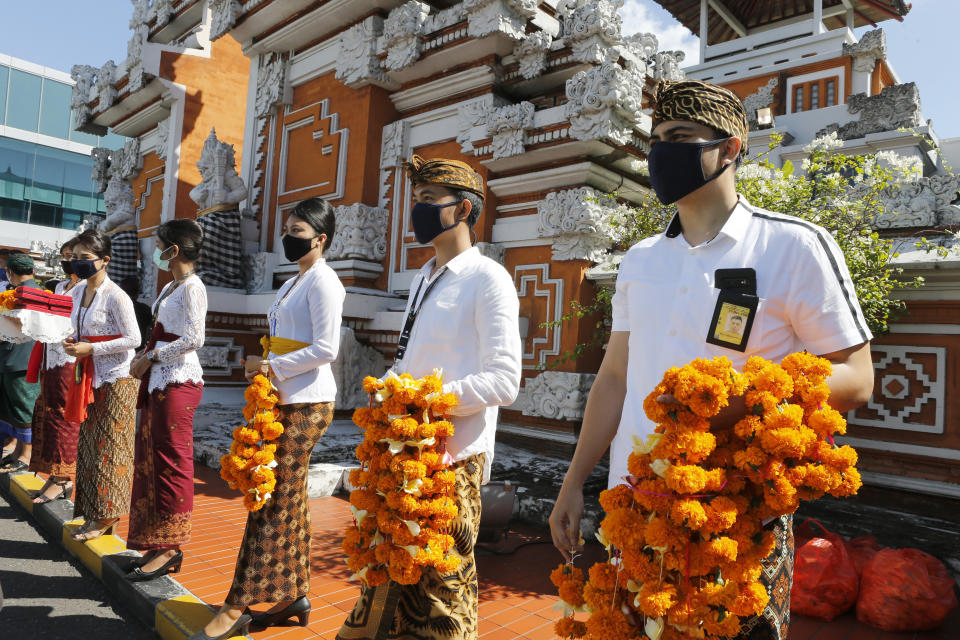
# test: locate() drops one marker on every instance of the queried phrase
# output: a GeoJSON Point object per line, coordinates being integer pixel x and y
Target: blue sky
{"type": "Point", "coordinates": [922, 49]}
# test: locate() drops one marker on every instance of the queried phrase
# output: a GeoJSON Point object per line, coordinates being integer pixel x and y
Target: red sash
{"type": "Point", "coordinates": [81, 392]}
{"type": "Point", "coordinates": [159, 334]}
{"type": "Point", "coordinates": [36, 362]}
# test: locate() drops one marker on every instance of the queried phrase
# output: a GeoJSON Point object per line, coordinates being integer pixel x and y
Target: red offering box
{"type": "Point", "coordinates": [43, 301]}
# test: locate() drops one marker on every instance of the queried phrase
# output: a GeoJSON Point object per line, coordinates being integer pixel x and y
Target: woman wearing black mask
{"type": "Point", "coordinates": [55, 437]}
{"type": "Point", "coordinates": [102, 395]}
{"type": "Point", "coordinates": [304, 325]}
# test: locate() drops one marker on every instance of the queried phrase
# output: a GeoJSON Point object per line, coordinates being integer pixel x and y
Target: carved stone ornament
{"type": "Point", "coordinates": [560, 395]}
{"type": "Point", "coordinates": [255, 266]}
{"type": "Point", "coordinates": [84, 78]}
{"type": "Point", "coordinates": [472, 114]}
{"type": "Point", "coordinates": [163, 139]}
{"type": "Point", "coordinates": [578, 221]}
{"type": "Point", "coordinates": [148, 272]}
{"type": "Point", "coordinates": [531, 54]}
{"type": "Point", "coordinates": [508, 126]}
{"type": "Point", "coordinates": [271, 76]}
{"type": "Point", "coordinates": [223, 16]}
{"type": "Point", "coordinates": [100, 173]}
{"type": "Point", "coordinates": [865, 53]}
{"type": "Point", "coordinates": [403, 34]}
{"type": "Point", "coordinates": [505, 16]}
{"type": "Point", "coordinates": [106, 92]}
{"type": "Point", "coordinates": [895, 107]}
{"type": "Point", "coordinates": [128, 161]}
{"type": "Point", "coordinates": [134, 61]}
{"type": "Point", "coordinates": [164, 11]}
{"type": "Point", "coordinates": [220, 185]}
{"type": "Point", "coordinates": [492, 250]}
{"type": "Point", "coordinates": [666, 65]}
{"type": "Point", "coordinates": [604, 102]}
{"type": "Point", "coordinates": [921, 202]}
{"type": "Point", "coordinates": [394, 145]}
{"type": "Point", "coordinates": [361, 233]}
{"type": "Point", "coordinates": [118, 201]}
{"type": "Point", "coordinates": [591, 28]}
{"type": "Point", "coordinates": [142, 13]}
{"type": "Point", "coordinates": [643, 45]}
{"type": "Point", "coordinates": [759, 99]}
{"type": "Point", "coordinates": [358, 63]}
{"type": "Point", "coordinates": [355, 360]}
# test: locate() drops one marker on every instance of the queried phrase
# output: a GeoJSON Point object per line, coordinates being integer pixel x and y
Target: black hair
{"type": "Point", "coordinates": [186, 234]}
{"type": "Point", "coordinates": [318, 214]}
{"type": "Point", "coordinates": [96, 241]}
{"type": "Point", "coordinates": [476, 204]}
{"type": "Point", "coordinates": [68, 244]}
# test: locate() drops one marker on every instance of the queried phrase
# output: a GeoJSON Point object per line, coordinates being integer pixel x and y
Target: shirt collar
{"type": "Point", "coordinates": [734, 228]}
{"type": "Point", "coordinates": [458, 264]}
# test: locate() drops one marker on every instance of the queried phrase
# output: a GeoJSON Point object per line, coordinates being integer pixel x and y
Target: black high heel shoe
{"type": "Point", "coordinates": [299, 608]}
{"type": "Point", "coordinates": [170, 566]}
{"type": "Point", "coordinates": [239, 628]}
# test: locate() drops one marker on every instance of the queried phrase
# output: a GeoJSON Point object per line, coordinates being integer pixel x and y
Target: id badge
{"type": "Point", "coordinates": [732, 320]}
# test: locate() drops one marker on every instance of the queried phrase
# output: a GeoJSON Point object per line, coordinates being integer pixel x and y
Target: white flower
{"type": "Point", "coordinates": [358, 514]}
{"type": "Point", "coordinates": [827, 143]}
{"type": "Point", "coordinates": [413, 527]}
{"type": "Point", "coordinates": [653, 628]}
{"type": "Point", "coordinates": [660, 466]}
{"type": "Point", "coordinates": [646, 446]}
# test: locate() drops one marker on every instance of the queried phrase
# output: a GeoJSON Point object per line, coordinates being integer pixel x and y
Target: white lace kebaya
{"type": "Point", "coordinates": [110, 313]}
{"type": "Point", "coordinates": [182, 313]}
{"type": "Point", "coordinates": [56, 356]}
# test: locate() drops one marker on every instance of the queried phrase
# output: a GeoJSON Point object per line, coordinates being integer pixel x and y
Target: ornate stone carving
{"type": "Point", "coordinates": [163, 139]}
{"type": "Point", "coordinates": [164, 11]}
{"type": "Point", "coordinates": [592, 29]}
{"type": "Point", "coordinates": [100, 173]}
{"type": "Point", "coordinates": [472, 114]}
{"type": "Point", "coordinates": [394, 145]}
{"type": "Point", "coordinates": [354, 361]}
{"type": "Point", "coordinates": [134, 61]}
{"type": "Point", "coordinates": [559, 395]}
{"type": "Point", "coordinates": [118, 201]}
{"type": "Point", "coordinates": [508, 126]}
{"type": "Point", "coordinates": [643, 45]}
{"type": "Point", "coordinates": [255, 266]}
{"type": "Point", "coordinates": [445, 18]}
{"type": "Point", "coordinates": [492, 250]}
{"type": "Point", "coordinates": [106, 92]}
{"type": "Point", "coordinates": [148, 272]}
{"type": "Point", "coordinates": [666, 65]}
{"type": "Point", "coordinates": [358, 63]}
{"type": "Point", "coordinates": [223, 16]}
{"type": "Point", "coordinates": [865, 53]}
{"type": "Point", "coordinates": [361, 233]}
{"type": "Point", "coordinates": [506, 16]}
{"type": "Point", "coordinates": [579, 223]}
{"type": "Point", "coordinates": [220, 184]}
{"type": "Point", "coordinates": [895, 107]}
{"type": "Point", "coordinates": [762, 97]}
{"type": "Point", "coordinates": [531, 54]}
{"type": "Point", "coordinates": [84, 78]}
{"type": "Point", "coordinates": [271, 77]}
{"type": "Point", "coordinates": [921, 202]}
{"type": "Point", "coordinates": [604, 102]}
{"type": "Point", "coordinates": [127, 161]}
{"type": "Point", "coordinates": [142, 13]}
{"type": "Point", "coordinates": [403, 34]}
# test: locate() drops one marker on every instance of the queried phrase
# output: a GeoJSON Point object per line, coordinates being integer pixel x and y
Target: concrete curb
{"type": "Point", "coordinates": [163, 605]}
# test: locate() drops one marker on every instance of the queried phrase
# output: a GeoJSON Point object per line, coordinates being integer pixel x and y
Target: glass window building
{"type": "Point", "coordinates": [45, 165]}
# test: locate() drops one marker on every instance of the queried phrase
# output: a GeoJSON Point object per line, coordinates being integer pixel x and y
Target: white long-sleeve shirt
{"type": "Point", "coordinates": [182, 313]}
{"type": "Point", "coordinates": [468, 326]}
{"type": "Point", "coordinates": [311, 312]}
{"type": "Point", "coordinates": [110, 313]}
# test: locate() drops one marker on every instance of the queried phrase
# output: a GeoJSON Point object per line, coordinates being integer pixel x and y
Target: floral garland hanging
{"type": "Point", "coordinates": [249, 465]}
{"type": "Point", "coordinates": [684, 533]}
{"type": "Point", "coordinates": [8, 299]}
{"type": "Point", "coordinates": [404, 501]}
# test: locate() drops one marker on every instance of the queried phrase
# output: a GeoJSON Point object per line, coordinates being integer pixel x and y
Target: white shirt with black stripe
{"type": "Point", "coordinates": [665, 299]}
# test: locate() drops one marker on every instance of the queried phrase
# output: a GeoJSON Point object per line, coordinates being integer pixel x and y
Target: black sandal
{"type": "Point", "coordinates": [66, 490]}
{"type": "Point", "coordinates": [14, 466]}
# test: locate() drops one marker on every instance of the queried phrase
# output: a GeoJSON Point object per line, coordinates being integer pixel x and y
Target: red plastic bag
{"type": "Point", "coordinates": [825, 580]}
{"type": "Point", "coordinates": [905, 590]}
{"type": "Point", "coordinates": [861, 550]}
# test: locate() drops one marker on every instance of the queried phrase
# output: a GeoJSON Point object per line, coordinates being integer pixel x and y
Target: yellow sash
{"type": "Point", "coordinates": [280, 346]}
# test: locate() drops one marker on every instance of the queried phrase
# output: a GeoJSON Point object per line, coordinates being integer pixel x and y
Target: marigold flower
{"type": "Point", "coordinates": [569, 628]}
{"type": "Point", "coordinates": [686, 478]}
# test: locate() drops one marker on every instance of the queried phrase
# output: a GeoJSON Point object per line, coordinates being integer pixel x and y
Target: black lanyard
{"type": "Point", "coordinates": [83, 311]}
{"type": "Point", "coordinates": [412, 314]}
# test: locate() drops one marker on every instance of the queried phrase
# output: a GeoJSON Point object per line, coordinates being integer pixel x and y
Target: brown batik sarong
{"type": "Point", "coordinates": [162, 502]}
{"type": "Point", "coordinates": [440, 606]}
{"type": "Point", "coordinates": [274, 560]}
{"type": "Point", "coordinates": [777, 577]}
{"type": "Point", "coordinates": [105, 456]}
{"type": "Point", "coordinates": [54, 437]}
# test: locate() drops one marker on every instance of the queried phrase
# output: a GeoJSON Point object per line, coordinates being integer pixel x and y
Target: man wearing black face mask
{"type": "Point", "coordinates": [462, 317]}
{"type": "Point", "coordinates": [725, 279]}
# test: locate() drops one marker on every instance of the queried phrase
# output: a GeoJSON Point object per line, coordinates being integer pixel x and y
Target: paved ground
{"type": "Point", "coordinates": [46, 595]}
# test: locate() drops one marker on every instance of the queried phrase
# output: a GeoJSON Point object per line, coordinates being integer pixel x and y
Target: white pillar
{"type": "Point", "coordinates": [704, 35]}
{"type": "Point", "coordinates": [817, 17]}
{"type": "Point", "coordinates": [850, 21]}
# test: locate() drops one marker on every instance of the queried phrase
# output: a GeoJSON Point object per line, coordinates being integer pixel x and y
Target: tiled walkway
{"type": "Point", "coordinates": [516, 597]}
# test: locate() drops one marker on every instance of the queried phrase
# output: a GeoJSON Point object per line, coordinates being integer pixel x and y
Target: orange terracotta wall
{"type": "Point", "coordinates": [148, 194]}
{"type": "Point", "coordinates": [216, 89]}
{"type": "Point", "coordinates": [745, 87]}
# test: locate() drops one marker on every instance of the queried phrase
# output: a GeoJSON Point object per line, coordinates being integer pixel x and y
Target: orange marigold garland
{"type": "Point", "coordinates": [8, 299]}
{"type": "Point", "coordinates": [404, 500]}
{"type": "Point", "coordinates": [684, 536]}
{"type": "Point", "coordinates": [249, 465]}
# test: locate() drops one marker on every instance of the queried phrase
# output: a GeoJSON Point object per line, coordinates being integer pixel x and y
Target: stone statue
{"type": "Point", "coordinates": [121, 225]}
{"type": "Point", "coordinates": [218, 198]}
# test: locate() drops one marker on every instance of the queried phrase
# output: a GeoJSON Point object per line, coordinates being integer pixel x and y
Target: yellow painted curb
{"type": "Point", "coordinates": [91, 552]}
{"type": "Point", "coordinates": [23, 486]}
{"type": "Point", "coordinates": [180, 617]}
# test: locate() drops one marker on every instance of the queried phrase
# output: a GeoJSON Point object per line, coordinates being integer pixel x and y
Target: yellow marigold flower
{"type": "Point", "coordinates": [689, 513]}
{"type": "Point", "coordinates": [686, 478]}
{"type": "Point", "coordinates": [569, 628]}
{"type": "Point", "coordinates": [656, 600]}
{"type": "Point", "coordinates": [272, 431]}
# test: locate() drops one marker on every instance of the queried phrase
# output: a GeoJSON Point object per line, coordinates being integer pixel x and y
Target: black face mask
{"type": "Point", "coordinates": [84, 268]}
{"type": "Point", "coordinates": [426, 220]}
{"type": "Point", "coordinates": [676, 168]}
{"type": "Point", "coordinates": [295, 248]}
{"type": "Point", "coordinates": [67, 266]}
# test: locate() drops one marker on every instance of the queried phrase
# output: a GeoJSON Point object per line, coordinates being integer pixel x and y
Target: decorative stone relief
{"type": "Point", "coordinates": [472, 114]}
{"type": "Point", "coordinates": [445, 18]}
{"type": "Point", "coordinates": [492, 250]}
{"type": "Point", "coordinates": [508, 126]}
{"type": "Point", "coordinates": [358, 63]}
{"type": "Point", "coordinates": [223, 16]}
{"type": "Point", "coordinates": [100, 174]}
{"type": "Point", "coordinates": [142, 13]}
{"type": "Point", "coordinates": [895, 107]}
{"type": "Point", "coordinates": [643, 45]}
{"type": "Point", "coordinates": [403, 34]}
{"type": "Point", "coordinates": [148, 272]}
{"type": "Point", "coordinates": [762, 97]}
{"type": "Point", "coordinates": [865, 53]}
{"type": "Point", "coordinates": [531, 54]}
{"type": "Point", "coordinates": [118, 201]}
{"type": "Point", "coordinates": [506, 16]}
{"type": "Point", "coordinates": [354, 361]}
{"type": "Point", "coordinates": [922, 202]}
{"type": "Point", "coordinates": [579, 223]}
{"type": "Point", "coordinates": [220, 184]}
{"type": "Point", "coordinates": [361, 233]}
{"type": "Point", "coordinates": [604, 102]}
{"type": "Point", "coordinates": [106, 92]}
{"type": "Point", "coordinates": [163, 139]}
{"type": "Point", "coordinates": [134, 61]}
{"type": "Point", "coordinates": [271, 77]}
{"type": "Point", "coordinates": [560, 395]}
{"type": "Point", "coordinates": [592, 29]}
{"type": "Point", "coordinates": [255, 266]}
{"type": "Point", "coordinates": [127, 161]}
{"type": "Point", "coordinates": [394, 144]}
{"type": "Point", "coordinates": [666, 65]}
{"type": "Point", "coordinates": [164, 11]}
{"type": "Point", "coordinates": [84, 78]}
{"type": "Point", "coordinates": [219, 356]}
